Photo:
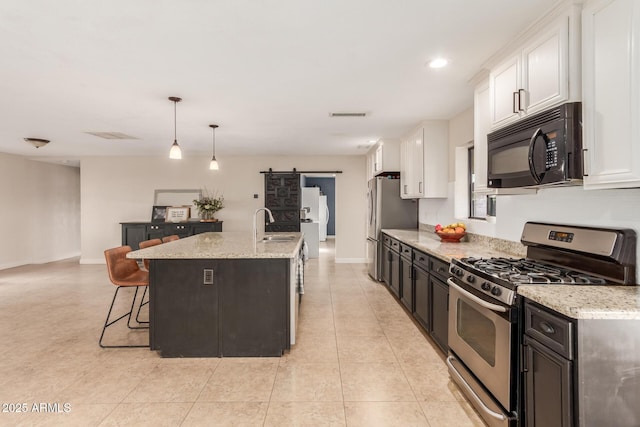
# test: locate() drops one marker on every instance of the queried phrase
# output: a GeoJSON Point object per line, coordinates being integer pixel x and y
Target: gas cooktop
{"type": "Point", "coordinates": [527, 271]}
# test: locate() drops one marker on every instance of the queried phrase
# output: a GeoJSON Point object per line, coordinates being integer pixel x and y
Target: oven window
{"type": "Point", "coordinates": [477, 331]}
{"type": "Point", "coordinates": [510, 160]}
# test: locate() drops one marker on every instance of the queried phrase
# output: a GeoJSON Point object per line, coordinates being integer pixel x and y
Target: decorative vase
{"type": "Point", "coordinates": [207, 216]}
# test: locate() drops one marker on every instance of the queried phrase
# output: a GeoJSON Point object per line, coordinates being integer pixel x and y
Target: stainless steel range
{"type": "Point", "coordinates": [484, 335]}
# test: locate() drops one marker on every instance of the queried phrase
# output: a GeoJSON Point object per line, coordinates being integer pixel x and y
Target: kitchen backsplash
{"type": "Point", "coordinates": [514, 248]}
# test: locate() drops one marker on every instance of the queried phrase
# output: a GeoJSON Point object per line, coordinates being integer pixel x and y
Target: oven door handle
{"type": "Point", "coordinates": [479, 301]}
{"type": "Point", "coordinates": [473, 395]}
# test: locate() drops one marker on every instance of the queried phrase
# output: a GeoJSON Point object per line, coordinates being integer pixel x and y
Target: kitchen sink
{"type": "Point", "coordinates": [278, 238]}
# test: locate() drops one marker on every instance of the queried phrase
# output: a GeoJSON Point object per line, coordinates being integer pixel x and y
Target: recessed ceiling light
{"type": "Point", "coordinates": [438, 63]}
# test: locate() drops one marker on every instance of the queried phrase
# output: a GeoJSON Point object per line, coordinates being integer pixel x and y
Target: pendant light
{"type": "Point", "coordinates": [176, 152]}
{"type": "Point", "coordinates": [213, 165]}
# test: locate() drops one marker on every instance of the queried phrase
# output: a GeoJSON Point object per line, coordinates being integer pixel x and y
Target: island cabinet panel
{"type": "Point", "coordinates": [183, 310]}
{"type": "Point", "coordinates": [254, 315]}
{"type": "Point", "coordinates": [219, 307]}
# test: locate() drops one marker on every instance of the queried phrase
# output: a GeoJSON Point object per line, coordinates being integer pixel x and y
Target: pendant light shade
{"type": "Point", "coordinates": [213, 165]}
{"type": "Point", "coordinates": [176, 152]}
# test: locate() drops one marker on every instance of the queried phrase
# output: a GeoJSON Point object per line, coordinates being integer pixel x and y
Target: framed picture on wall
{"type": "Point", "coordinates": [158, 213]}
{"type": "Point", "coordinates": [178, 213]}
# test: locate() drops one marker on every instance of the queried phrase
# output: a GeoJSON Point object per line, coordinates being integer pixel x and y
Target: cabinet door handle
{"type": "Point", "coordinates": [546, 327]}
{"type": "Point", "coordinates": [405, 189]}
{"type": "Point", "coordinates": [420, 187]}
{"type": "Point", "coordinates": [410, 272]}
{"type": "Point", "coordinates": [515, 107]}
{"type": "Point", "coordinates": [523, 358]}
{"type": "Point", "coordinates": [521, 94]}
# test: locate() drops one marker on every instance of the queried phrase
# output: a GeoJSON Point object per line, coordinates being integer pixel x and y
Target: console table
{"type": "Point", "coordinates": [135, 232]}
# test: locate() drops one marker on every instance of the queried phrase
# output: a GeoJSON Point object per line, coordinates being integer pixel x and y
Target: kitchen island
{"type": "Point", "coordinates": [221, 294]}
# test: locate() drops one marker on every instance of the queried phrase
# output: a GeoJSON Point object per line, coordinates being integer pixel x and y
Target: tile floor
{"type": "Point", "coordinates": [359, 361]}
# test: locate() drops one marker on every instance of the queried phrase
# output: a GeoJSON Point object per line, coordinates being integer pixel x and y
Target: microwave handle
{"type": "Point", "coordinates": [532, 146]}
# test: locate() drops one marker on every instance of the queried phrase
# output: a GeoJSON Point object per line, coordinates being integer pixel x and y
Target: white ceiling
{"type": "Point", "coordinates": [267, 72]}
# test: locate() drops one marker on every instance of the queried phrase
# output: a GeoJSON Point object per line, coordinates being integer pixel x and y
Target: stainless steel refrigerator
{"type": "Point", "coordinates": [386, 210]}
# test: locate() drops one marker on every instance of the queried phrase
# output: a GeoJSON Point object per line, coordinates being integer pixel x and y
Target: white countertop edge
{"type": "Point", "coordinates": [222, 245]}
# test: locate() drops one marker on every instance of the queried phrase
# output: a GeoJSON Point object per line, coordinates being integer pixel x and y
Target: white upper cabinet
{"type": "Point", "coordinates": [611, 107]}
{"type": "Point", "coordinates": [505, 82]}
{"type": "Point", "coordinates": [424, 171]}
{"type": "Point", "coordinates": [481, 127]}
{"type": "Point", "coordinates": [384, 156]}
{"type": "Point", "coordinates": [536, 77]}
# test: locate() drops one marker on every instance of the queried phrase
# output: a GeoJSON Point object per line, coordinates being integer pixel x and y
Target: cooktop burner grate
{"type": "Point", "coordinates": [521, 271]}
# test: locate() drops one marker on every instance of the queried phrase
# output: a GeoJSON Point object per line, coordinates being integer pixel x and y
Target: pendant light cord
{"type": "Point", "coordinates": [175, 121]}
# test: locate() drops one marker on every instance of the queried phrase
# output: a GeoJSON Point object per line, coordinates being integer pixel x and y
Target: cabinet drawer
{"type": "Point", "coordinates": [421, 259]}
{"type": "Point", "coordinates": [406, 251]}
{"type": "Point", "coordinates": [439, 268]}
{"type": "Point", "coordinates": [394, 245]}
{"type": "Point", "coordinates": [386, 240]}
{"type": "Point", "coordinates": [550, 329]}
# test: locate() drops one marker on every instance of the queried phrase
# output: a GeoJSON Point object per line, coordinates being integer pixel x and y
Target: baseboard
{"type": "Point", "coordinates": [92, 261]}
{"type": "Point", "coordinates": [54, 259]}
{"type": "Point", "coordinates": [38, 261]}
{"type": "Point", "coordinates": [351, 260]}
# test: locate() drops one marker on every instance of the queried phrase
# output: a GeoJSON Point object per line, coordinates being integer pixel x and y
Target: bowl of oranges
{"type": "Point", "coordinates": [451, 233]}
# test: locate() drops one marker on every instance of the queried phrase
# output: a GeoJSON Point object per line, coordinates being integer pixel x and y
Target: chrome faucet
{"type": "Point", "coordinates": [255, 222]}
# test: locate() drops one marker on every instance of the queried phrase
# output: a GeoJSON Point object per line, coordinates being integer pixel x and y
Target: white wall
{"type": "Point", "coordinates": [119, 189]}
{"type": "Point", "coordinates": [40, 211]}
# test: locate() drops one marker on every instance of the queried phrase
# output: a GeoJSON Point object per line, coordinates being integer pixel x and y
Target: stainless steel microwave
{"type": "Point", "coordinates": [544, 149]}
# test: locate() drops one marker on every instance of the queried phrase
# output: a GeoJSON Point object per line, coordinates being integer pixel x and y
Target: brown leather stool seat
{"type": "Point", "coordinates": [170, 238]}
{"type": "Point", "coordinates": [124, 273]}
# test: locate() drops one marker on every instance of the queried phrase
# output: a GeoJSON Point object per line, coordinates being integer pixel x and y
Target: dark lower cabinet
{"type": "Point", "coordinates": [406, 283]}
{"type": "Point", "coordinates": [215, 308]}
{"type": "Point", "coordinates": [419, 282]}
{"type": "Point", "coordinates": [394, 272]}
{"type": "Point", "coordinates": [547, 382]}
{"type": "Point", "coordinates": [391, 269]}
{"type": "Point", "coordinates": [184, 311]}
{"type": "Point", "coordinates": [135, 232]}
{"type": "Point", "coordinates": [439, 313]}
{"type": "Point", "coordinates": [422, 300]}
{"type": "Point", "coordinates": [548, 357]}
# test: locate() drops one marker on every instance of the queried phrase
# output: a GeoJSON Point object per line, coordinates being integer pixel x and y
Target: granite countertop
{"type": "Point", "coordinates": [577, 302]}
{"type": "Point", "coordinates": [430, 243]}
{"type": "Point", "coordinates": [587, 302]}
{"type": "Point", "coordinates": [222, 245]}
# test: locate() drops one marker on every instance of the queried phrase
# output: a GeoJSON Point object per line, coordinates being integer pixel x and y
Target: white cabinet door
{"type": "Point", "coordinates": [611, 90]}
{"type": "Point", "coordinates": [536, 76]}
{"type": "Point", "coordinates": [424, 172]}
{"type": "Point", "coordinates": [377, 163]}
{"type": "Point", "coordinates": [504, 83]}
{"type": "Point", "coordinates": [481, 127]}
{"type": "Point", "coordinates": [545, 70]}
{"type": "Point", "coordinates": [405, 168]}
{"type": "Point", "coordinates": [417, 158]}
{"type": "Point", "coordinates": [436, 159]}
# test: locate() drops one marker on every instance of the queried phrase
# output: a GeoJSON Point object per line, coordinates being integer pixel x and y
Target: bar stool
{"type": "Point", "coordinates": [171, 238]}
{"type": "Point", "coordinates": [124, 273]}
{"type": "Point", "coordinates": [148, 244]}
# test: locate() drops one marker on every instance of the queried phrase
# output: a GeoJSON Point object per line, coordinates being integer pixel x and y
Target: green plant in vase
{"type": "Point", "coordinates": [208, 205]}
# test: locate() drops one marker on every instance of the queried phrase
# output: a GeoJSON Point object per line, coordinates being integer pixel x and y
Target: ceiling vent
{"type": "Point", "coordinates": [347, 114]}
{"type": "Point", "coordinates": [112, 135]}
